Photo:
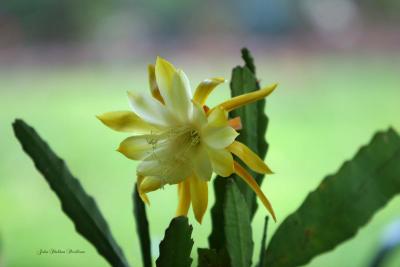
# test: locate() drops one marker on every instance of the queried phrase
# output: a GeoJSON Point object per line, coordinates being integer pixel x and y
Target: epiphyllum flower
{"type": "Point", "coordinates": [181, 141]}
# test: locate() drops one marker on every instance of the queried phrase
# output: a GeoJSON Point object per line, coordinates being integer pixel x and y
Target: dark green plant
{"type": "Point", "coordinates": [330, 215]}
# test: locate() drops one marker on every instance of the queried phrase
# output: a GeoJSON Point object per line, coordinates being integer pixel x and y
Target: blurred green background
{"type": "Point", "coordinates": [61, 63]}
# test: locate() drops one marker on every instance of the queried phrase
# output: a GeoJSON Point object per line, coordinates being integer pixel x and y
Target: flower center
{"type": "Point", "coordinates": [173, 150]}
{"type": "Point", "coordinates": [183, 134]}
{"type": "Point", "coordinates": [195, 137]}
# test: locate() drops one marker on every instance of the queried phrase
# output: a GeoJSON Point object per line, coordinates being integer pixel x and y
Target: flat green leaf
{"type": "Point", "coordinates": [216, 239]}
{"type": "Point", "coordinates": [177, 244]}
{"type": "Point", "coordinates": [254, 127]}
{"type": "Point", "coordinates": [243, 81]}
{"type": "Point", "coordinates": [238, 234]}
{"type": "Point", "coordinates": [142, 228]}
{"type": "Point", "coordinates": [340, 205]}
{"type": "Point", "coordinates": [261, 261]}
{"type": "Point", "coordinates": [213, 258]}
{"type": "Point", "coordinates": [75, 202]}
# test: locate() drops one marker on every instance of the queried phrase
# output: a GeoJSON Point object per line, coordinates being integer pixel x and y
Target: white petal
{"type": "Point", "coordinates": [178, 100]}
{"type": "Point", "coordinates": [199, 117]}
{"type": "Point", "coordinates": [201, 163]}
{"type": "Point", "coordinates": [136, 147]}
{"type": "Point", "coordinates": [165, 72]}
{"type": "Point", "coordinates": [218, 117]}
{"type": "Point", "coordinates": [170, 171]}
{"type": "Point", "coordinates": [151, 110]}
{"type": "Point", "coordinates": [218, 137]}
{"type": "Point", "coordinates": [174, 88]}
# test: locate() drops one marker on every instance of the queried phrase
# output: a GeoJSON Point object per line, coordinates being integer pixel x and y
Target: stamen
{"type": "Point", "coordinates": [195, 137]}
{"type": "Point", "coordinates": [184, 138]}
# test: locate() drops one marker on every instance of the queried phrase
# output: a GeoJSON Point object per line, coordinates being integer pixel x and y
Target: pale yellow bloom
{"type": "Point", "coordinates": [181, 141]}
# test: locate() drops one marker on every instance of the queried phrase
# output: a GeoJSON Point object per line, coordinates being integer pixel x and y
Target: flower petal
{"type": "Point", "coordinates": [199, 117]}
{"type": "Point", "coordinates": [165, 73]}
{"type": "Point", "coordinates": [150, 110]}
{"type": "Point", "coordinates": [218, 117]}
{"type": "Point", "coordinates": [125, 121]}
{"type": "Point", "coordinates": [218, 137]}
{"type": "Point", "coordinates": [201, 163]}
{"type": "Point", "coordinates": [249, 157]}
{"type": "Point", "coordinates": [221, 161]}
{"type": "Point", "coordinates": [169, 172]}
{"type": "Point", "coordinates": [174, 88]}
{"type": "Point", "coordinates": [205, 88]}
{"type": "Point", "coordinates": [245, 99]}
{"type": "Point", "coordinates": [142, 195]}
{"type": "Point", "coordinates": [136, 147]}
{"type": "Point", "coordinates": [183, 198]}
{"type": "Point", "coordinates": [179, 98]}
{"type": "Point", "coordinates": [155, 92]}
{"type": "Point", "coordinates": [150, 184]}
{"type": "Point", "coordinates": [199, 196]}
{"type": "Point", "coordinates": [253, 185]}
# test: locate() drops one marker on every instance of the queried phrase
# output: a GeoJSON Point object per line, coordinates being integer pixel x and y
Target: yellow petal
{"type": "Point", "coordinates": [205, 88]}
{"type": "Point", "coordinates": [136, 147]}
{"type": "Point", "coordinates": [125, 121]}
{"type": "Point", "coordinates": [165, 73]}
{"type": "Point", "coordinates": [218, 137]}
{"type": "Point", "coordinates": [201, 163]}
{"type": "Point", "coordinates": [199, 196]}
{"type": "Point", "coordinates": [254, 186]}
{"type": "Point", "coordinates": [249, 157]}
{"type": "Point", "coordinates": [150, 184]}
{"type": "Point", "coordinates": [155, 92]}
{"type": "Point", "coordinates": [218, 117]}
{"type": "Point", "coordinates": [183, 198]}
{"type": "Point", "coordinates": [142, 195]}
{"type": "Point", "coordinates": [245, 99]}
{"type": "Point", "coordinates": [221, 161]}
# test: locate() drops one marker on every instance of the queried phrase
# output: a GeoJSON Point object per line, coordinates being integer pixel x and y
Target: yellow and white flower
{"type": "Point", "coordinates": [181, 141]}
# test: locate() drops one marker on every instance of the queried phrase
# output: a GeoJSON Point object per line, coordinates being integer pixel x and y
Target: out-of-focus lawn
{"type": "Point", "coordinates": [325, 108]}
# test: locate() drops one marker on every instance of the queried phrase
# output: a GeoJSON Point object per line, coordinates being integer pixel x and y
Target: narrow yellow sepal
{"type": "Point", "coordinates": [142, 195]}
{"type": "Point", "coordinates": [125, 121]}
{"type": "Point", "coordinates": [199, 197]}
{"type": "Point", "coordinates": [255, 187]}
{"type": "Point", "coordinates": [250, 158]}
{"type": "Point", "coordinates": [205, 88]}
{"type": "Point", "coordinates": [150, 184]}
{"type": "Point", "coordinates": [245, 99]}
{"type": "Point", "coordinates": [155, 91]}
{"type": "Point", "coordinates": [183, 198]}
